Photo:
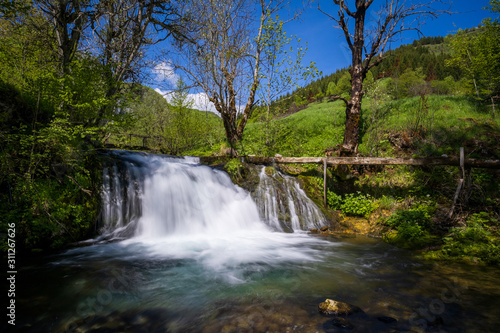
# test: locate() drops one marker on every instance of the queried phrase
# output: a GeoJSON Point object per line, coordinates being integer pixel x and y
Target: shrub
{"type": "Point", "coordinates": [233, 168]}
{"type": "Point", "coordinates": [334, 200]}
{"type": "Point", "coordinates": [411, 228]}
{"type": "Point", "coordinates": [357, 204]}
{"type": "Point", "coordinates": [477, 242]}
{"type": "Point", "coordinates": [412, 217]}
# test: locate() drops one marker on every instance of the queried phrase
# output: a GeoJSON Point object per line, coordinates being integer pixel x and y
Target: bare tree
{"type": "Point", "coordinates": [367, 45]}
{"type": "Point", "coordinates": [121, 31]}
{"type": "Point", "coordinates": [69, 19]}
{"type": "Point", "coordinates": [224, 56]}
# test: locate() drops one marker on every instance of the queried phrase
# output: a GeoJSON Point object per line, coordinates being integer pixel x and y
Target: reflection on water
{"type": "Point", "coordinates": [136, 286]}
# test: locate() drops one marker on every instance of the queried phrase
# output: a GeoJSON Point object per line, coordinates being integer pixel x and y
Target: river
{"type": "Point", "coordinates": [185, 250]}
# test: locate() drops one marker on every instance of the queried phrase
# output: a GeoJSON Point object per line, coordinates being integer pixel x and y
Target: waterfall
{"type": "Point", "coordinates": [153, 196]}
{"type": "Point", "coordinates": [284, 205]}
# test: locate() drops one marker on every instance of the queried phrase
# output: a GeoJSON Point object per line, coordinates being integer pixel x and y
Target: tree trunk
{"type": "Point", "coordinates": [358, 72]}
{"type": "Point", "coordinates": [231, 130]}
{"type": "Point", "coordinates": [351, 134]}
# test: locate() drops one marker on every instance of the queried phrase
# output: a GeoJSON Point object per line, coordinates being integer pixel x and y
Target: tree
{"type": "Point", "coordinates": [224, 56]}
{"type": "Point", "coordinates": [181, 105]}
{"type": "Point", "coordinates": [122, 31]}
{"type": "Point", "coordinates": [282, 68]}
{"type": "Point", "coordinates": [477, 54]}
{"type": "Point", "coordinates": [69, 18]}
{"type": "Point", "coordinates": [367, 45]}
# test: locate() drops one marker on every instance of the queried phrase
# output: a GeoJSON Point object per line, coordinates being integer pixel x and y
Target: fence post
{"type": "Point", "coordinates": [460, 182]}
{"type": "Point", "coordinates": [324, 181]}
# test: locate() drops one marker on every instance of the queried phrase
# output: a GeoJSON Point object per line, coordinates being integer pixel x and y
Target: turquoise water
{"type": "Point", "coordinates": [135, 286]}
{"type": "Point", "coordinates": [191, 252]}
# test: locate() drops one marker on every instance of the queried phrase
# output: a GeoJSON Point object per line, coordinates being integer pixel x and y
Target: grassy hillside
{"type": "Point", "coordinates": [432, 127]}
{"type": "Point", "coordinates": [168, 128]}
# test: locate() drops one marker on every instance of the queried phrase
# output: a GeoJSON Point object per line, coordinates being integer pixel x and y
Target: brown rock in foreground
{"type": "Point", "coordinates": [334, 308]}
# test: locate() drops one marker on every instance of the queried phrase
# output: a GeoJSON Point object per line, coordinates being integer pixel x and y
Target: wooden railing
{"type": "Point", "coordinates": [468, 162]}
{"type": "Point", "coordinates": [462, 162]}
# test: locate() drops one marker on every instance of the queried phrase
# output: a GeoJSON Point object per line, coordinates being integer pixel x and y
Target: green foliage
{"type": "Point", "coordinates": [357, 204]}
{"type": "Point", "coordinates": [235, 169]}
{"type": "Point", "coordinates": [477, 54]}
{"type": "Point", "coordinates": [411, 83]}
{"type": "Point", "coordinates": [412, 217]}
{"type": "Point", "coordinates": [479, 241]}
{"type": "Point", "coordinates": [53, 186]}
{"type": "Point", "coordinates": [334, 200]}
{"type": "Point", "coordinates": [343, 87]}
{"type": "Point", "coordinates": [386, 202]}
{"type": "Point", "coordinates": [173, 128]}
{"type": "Point", "coordinates": [411, 228]}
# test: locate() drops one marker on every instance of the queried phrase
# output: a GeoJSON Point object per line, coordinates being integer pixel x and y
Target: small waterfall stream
{"type": "Point", "coordinates": [284, 205]}
{"type": "Point", "coordinates": [192, 252]}
{"type": "Point", "coordinates": [155, 196]}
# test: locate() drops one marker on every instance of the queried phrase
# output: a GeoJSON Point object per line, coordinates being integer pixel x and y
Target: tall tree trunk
{"type": "Point", "coordinates": [229, 121]}
{"type": "Point", "coordinates": [358, 73]}
{"type": "Point", "coordinates": [351, 134]}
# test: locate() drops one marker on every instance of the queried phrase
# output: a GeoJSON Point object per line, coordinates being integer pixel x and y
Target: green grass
{"type": "Point", "coordinates": [305, 133]}
{"type": "Point", "coordinates": [448, 123]}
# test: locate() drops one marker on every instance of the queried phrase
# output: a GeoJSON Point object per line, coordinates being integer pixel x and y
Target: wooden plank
{"type": "Point", "coordinates": [475, 163]}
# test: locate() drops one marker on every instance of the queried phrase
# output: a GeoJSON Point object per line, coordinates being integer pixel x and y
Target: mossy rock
{"type": "Point", "coordinates": [331, 307]}
{"type": "Point", "coordinates": [270, 171]}
{"type": "Point", "coordinates": [243, 174]}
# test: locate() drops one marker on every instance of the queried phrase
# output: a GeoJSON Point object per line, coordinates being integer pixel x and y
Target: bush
{"type": "Point", "coordinates": [233, 168]}
{"type": "Point", "coordinates": [478, 242]}
{"type": "Point", "coordinates": [412, 217]}
{"type": "Point", "coordinates": [334, 200]}
{"type": "Point", "coordinates": [411, 228]}
{"type": "Point", "coordinates": [357, 204]}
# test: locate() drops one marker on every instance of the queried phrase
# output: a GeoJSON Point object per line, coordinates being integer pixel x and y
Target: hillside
{"type": "Point", "coordinates": [407, 127]}
{"type": "Point", "coordinates": [171, 129]}
{"type": "Point", "coordinates": [428, 57]}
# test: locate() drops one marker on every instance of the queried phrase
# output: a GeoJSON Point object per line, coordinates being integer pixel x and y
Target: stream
{"type": "Point", "coordinates": [185, 250]}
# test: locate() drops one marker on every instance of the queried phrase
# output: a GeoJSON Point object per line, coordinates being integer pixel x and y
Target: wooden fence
{"type": "Point", "coordinates": [462, 162]}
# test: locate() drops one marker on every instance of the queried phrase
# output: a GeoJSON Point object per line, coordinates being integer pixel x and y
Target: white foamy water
{"type": "Point", "coordinates": [178, 209]}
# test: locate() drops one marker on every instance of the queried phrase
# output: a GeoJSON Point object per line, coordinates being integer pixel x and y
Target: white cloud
{"type": "Point", "coordinates": [201, 101]}
{"type": "Point", "coordinates": [165, 72]}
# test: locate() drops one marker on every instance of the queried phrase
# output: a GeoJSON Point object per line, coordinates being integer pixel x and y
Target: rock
{"type": "Point", "coordinates": [387, 320]}
{"type": "Point", "coordinates": [334, 308]}
{"type": "Point", "coordinates": [314, 231]}
{"type": "Point", "coordinates": [324, 228]}
{"type": "Point", "coordinates": [341, 323]}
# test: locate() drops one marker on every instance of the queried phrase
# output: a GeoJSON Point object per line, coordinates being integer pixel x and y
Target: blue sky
{"type": "Point", "coordinates": [326, 44]}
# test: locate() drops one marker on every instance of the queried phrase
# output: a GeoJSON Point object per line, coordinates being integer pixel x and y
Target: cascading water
{"type": "Point", "coordinates": [284, 205]}
{"type": "Point", "coordinates": [160, 196]}
{"type": "Point", "coordinates": [192, 254]}
{"type": "Point", "coordinates": [181, 209]}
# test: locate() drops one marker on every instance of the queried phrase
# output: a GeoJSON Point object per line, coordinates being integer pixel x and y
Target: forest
{"type": "Point", "coordinates": [74, 81]}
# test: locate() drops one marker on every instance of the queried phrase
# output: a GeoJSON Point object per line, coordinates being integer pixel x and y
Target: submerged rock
{"type": "Point", "coordinates": [334, 308]}
{"type": "Point", "coordinates": [387, 320]}
{"type": "Point", "coordinates": [342, 323]}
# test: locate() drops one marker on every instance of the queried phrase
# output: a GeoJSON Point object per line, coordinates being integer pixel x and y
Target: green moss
{"type": "Point", "coordinates": [477, 242]}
